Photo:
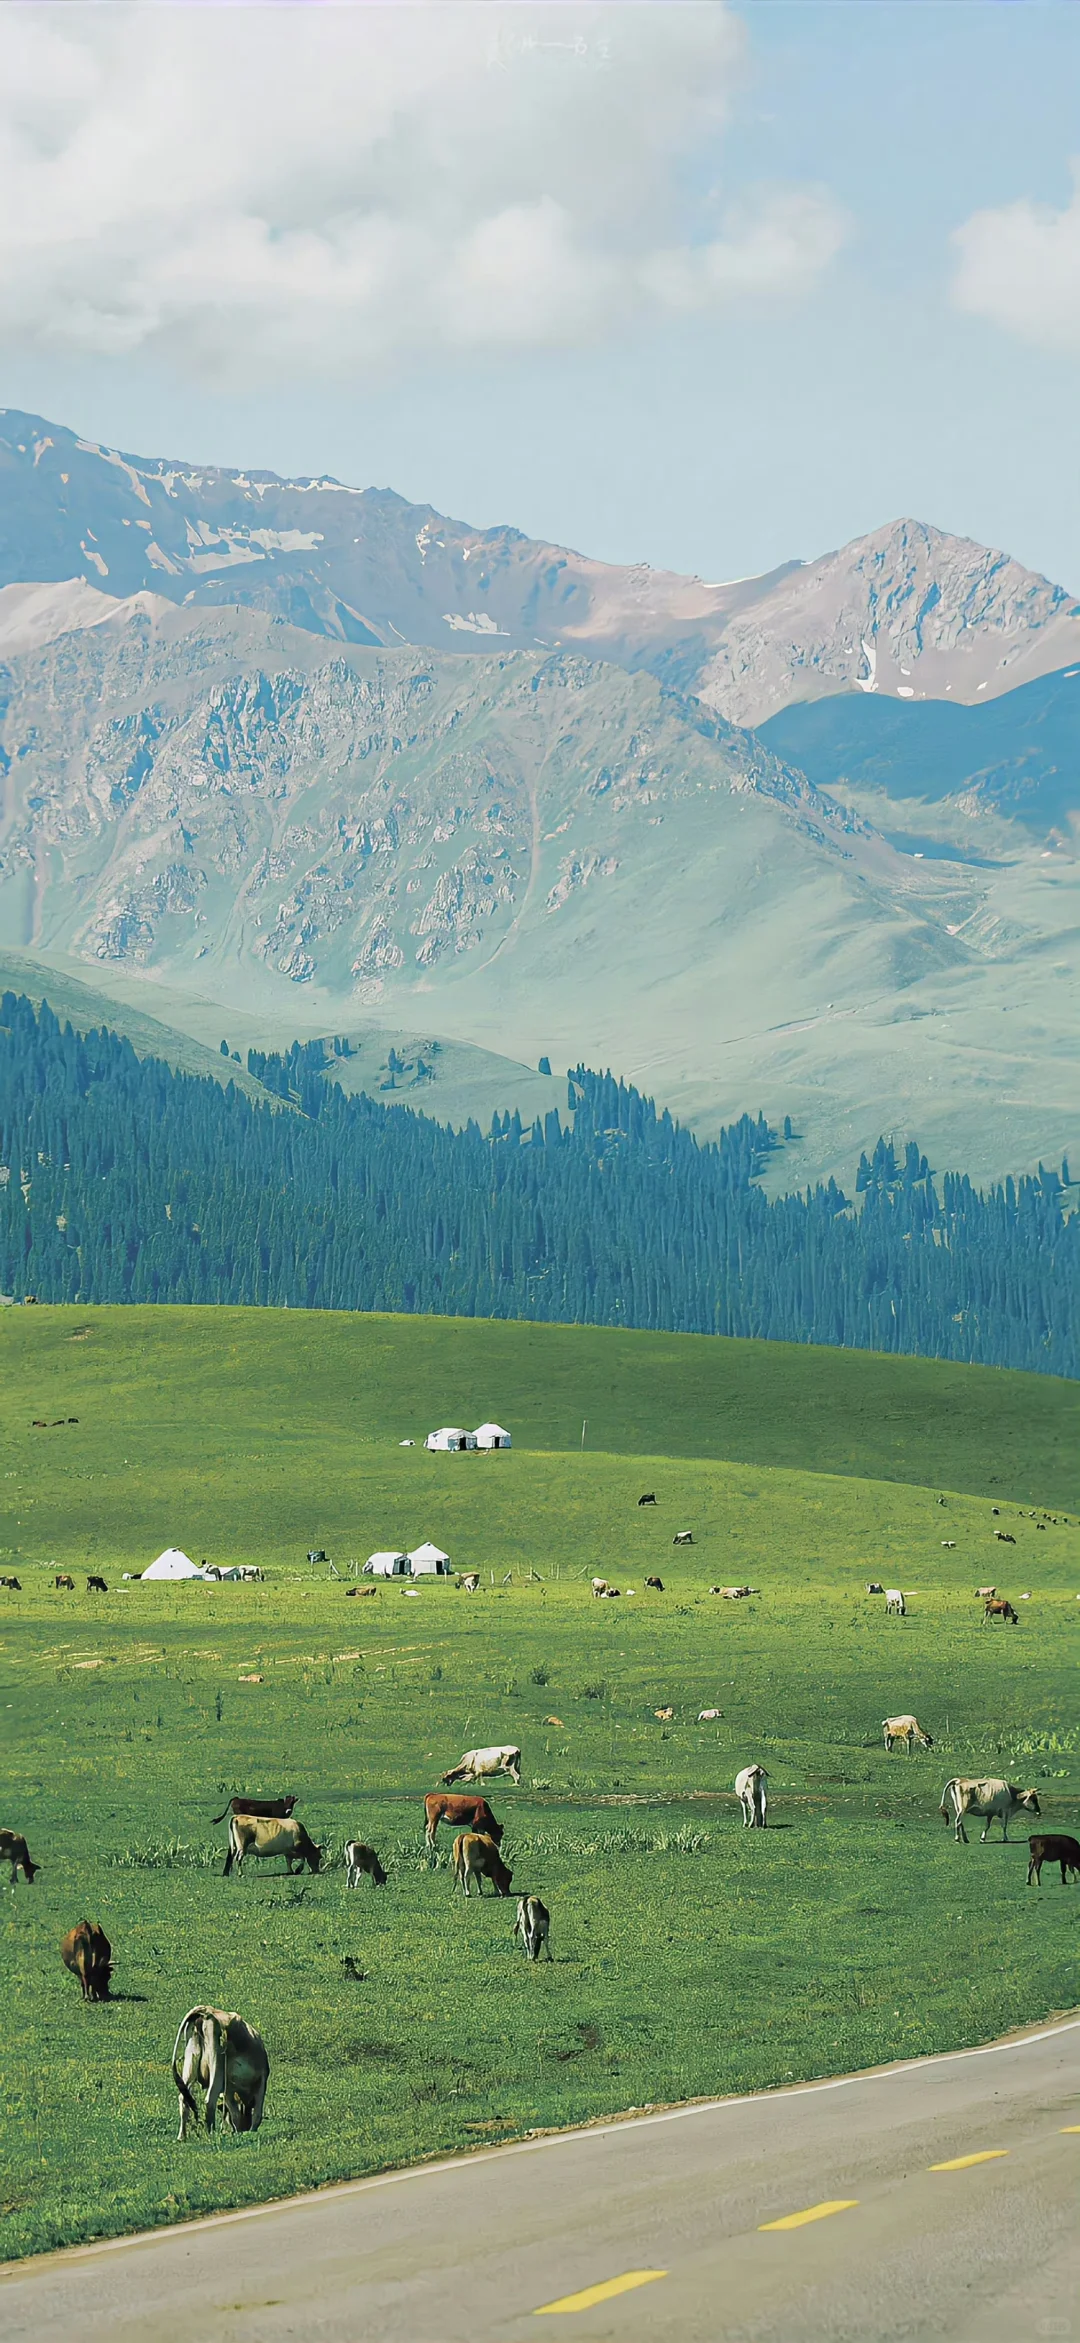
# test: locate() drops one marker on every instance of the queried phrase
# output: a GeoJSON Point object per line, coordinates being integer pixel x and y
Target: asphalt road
{"type": "Point", "coordinates": [936, 2202]}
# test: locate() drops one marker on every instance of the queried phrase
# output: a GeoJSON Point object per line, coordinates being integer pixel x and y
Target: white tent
{"type": "Point", "coordinates": [387, 1566]}
{"type": "Point", "coordinates": [450, 1437]}
{"type": "Point", "coordinates": [491, 1436]}
{"type": "Point", "coordinates": [429, 1561]}
{"type": "Point", "coordinates": [173, 1564]}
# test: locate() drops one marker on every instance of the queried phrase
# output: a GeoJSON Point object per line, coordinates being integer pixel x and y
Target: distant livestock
{"type": "Point", "coordinates": [683, 1537]}
{"type": "Point", "coordinates": [895, 1603]}
{"type": "Point", "coordinates": [470, 1582]}
{"type": "Point", "coordinates": [599, 1587]}
{"type": "Point", "coordinates": [1000, 1610]}
{"type": "Point", "coordinates": [64, 1584]}
{"type": "Point", "coordinates": [665, 1715]}
{"type": "Point", "coordinates": [533, 1924]}
{"type": "Point", "coordinates": [13, 1583]}
{"type": "Point", "coordinates": [874, 1587]}
{"type": "Point", "coordinates": [985, 1801]}
{"type": "Point", "coordinates": [1054, 1848]}
{"type": "Point", "coordinates": [985, 1594]}
{"type": "Point", "coordinates": [905, 1729]}
{"type": "Point", "coordinates": [96, 1586]}
{"type": "Point", "coordinates": [362, 1862]}
{"type": "Point", "coordinates": [477, 1857]}
{"type": "Point", "coordinates": [14, 1850]}
{"type": "Point", "coordinates": [227, 2058]}
{"type": "Point", "coordinates": [278, 1809]}
{"type": "Point", "coordinates": [709, 1716]}
{"type": "Point", "coordinates": [951, 1543]}
{"type": "Point", "coordinates": [657, 1585]}
{"type": "Point", "coordinates": [86, 1951]}
{"type": "Point", "coordinates": [732, 1594]}
{"type": "Point", "coordinates": [649, 1498]}
{"type": "Point", "coordinates": [1005, 1537]}
{"type": "Point", "coordinates": [461, 1814]}
{"type": "Point", "coordinates": [750, 1790]}
{"type": "Point", "coordinates": [262, 1836]}
{"type": "Point", "coordinates": [478, 1765]}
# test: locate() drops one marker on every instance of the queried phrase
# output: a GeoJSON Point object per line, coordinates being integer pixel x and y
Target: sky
{"type": "Point", "coordinates": [701, 285]}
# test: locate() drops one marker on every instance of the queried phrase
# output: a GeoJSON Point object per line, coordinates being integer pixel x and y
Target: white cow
{"type": "Point", "coordinates": [984, 1800]}
{"type": "Point", "coordinates": [599, 1586]}
{"type": "Point", "coordinates": [532, 1925]}
{"type": "Point", "coordinates": [894, 1601]}
{"type": "Point", "coordinates": [905, 1729]}
{"type": "Point", "coordinates": [750, 1789]}
{"type": "Point", "coordinates": [228, 2058]}
{"type": "Point", "coordinates": [478, 1765]}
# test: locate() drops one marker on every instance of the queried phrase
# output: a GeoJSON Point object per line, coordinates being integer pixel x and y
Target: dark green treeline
{"type": "Point", "coordinates": [122, 1181]}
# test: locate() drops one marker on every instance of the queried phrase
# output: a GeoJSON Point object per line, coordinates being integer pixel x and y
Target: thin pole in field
{"type": "Point", "coordinates": [583, 1429]}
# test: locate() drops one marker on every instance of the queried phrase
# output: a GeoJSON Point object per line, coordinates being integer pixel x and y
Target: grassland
{"type": "Point", "coordinates": [690, 1957]}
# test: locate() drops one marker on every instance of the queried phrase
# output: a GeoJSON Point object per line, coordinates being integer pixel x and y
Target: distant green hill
{"type": "Point", "coordinates": [238, 1412]}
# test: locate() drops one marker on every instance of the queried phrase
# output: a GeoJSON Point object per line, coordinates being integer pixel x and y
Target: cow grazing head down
{"type": "Point", "coordinates": [14, 1850]}
{"type": "Point", "coordinates": [227, 2058]}
{"type": "Point", "coordinates": [86, 1951]}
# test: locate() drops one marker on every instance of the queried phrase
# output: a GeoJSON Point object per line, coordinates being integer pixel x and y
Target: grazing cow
{"type": "Point", "coordinates": [13, 1850]}
{"type": "Point", "coordinates": [708, 1716]}
{"type": "Point", "coordinates": [750, 1790]}
{"type": "Point", "coordinates": [273, 1809]}
{"type": "Point", "coordinates": [461, 1814]}
{"type": "Point", "coordinates": [874, 1587]}
{"type": "Point", "coordinates": [86, 1951]}
{"type": "Point", "coordinates": [649, 1498]}
{"type": "Point", "coordinates": [905, 1729]}
{"type": "Point", "coordinates": [599, 1587]}
{"type": "Point", "coordinates": [612, 1594]}
{"type": "Point", "coordinates": [13, 1583]}
{"type": "Point", "coordinates": [1005, 1537]}
{"type": "Point", "coordinates": [39, 1424]}
{"type": "Point", "coordinates": [683, 1537]}
{"type": "Point", "coordinates": [360, 1860]}
{"type": "Point", "coordinates": [96, 1586]}
{"type": "Point", "coordinates": [64, 1584]}
{"type": "Point", "coordinates": [1000, 1610]}
{"type": "Point", "coordinates": [228, 2058]}
{"type": "Point", "coordinates": [985, 1594]}
{"type": "Point", "coordinates": [984, 1800]}
{"type": "Point", "coordinates": [361, 1590]}
{"type": "Point", "coordinates": [950, 1543]}
{"type": "Point", "coordinates": [1054, 1848]}
{"type": "Point", "coordinates": [478, 1765]}
{"type": "Point", "coordinates": [657, 1585]}
{"type": "Point", "coordinates": [260, 1835]}
{"type": "Point", "coordinates": [734, 1594]}
{"type": "Point", "coordinates": [477, 1857]}
{"type": "Point", "coordinates": [533, 1924]}
{"type": "Point", "coordinates": [664, 1714]}
{"type": "Point", "coordinates": [470, 1583]}
{"type": "Point", "coordinates": [895, 1603]}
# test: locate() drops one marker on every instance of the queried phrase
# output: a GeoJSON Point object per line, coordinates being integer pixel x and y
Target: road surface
{"type": "Point", "coordinates": [935, 2202]}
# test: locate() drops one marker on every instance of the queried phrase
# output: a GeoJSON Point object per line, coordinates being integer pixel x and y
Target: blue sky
{"type": "Point", "coordinates": [704, 287]}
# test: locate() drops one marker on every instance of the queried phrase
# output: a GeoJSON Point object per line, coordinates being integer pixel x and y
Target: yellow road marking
{"type": "Point", "coordinates": [1070, 2127]}
{"type": "Point", "coordinates": [960, 2163]}
{"type": "Point", "coordinates": [812, 2213]}
{"type": "Point", "coordinates": [602, 2293]}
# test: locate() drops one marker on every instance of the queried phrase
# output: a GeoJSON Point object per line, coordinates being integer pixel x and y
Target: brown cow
{"type": "Point", "coordinates": [476, 1856]}
{"type": "Point", "coordinates": [86, 1951]}
{"type": "Point", "coordinates": [275, 1809]}
{"type": "Point", "coordinates": [1055, 1847]}
{"type": "Point", "coordinates": [64, 1583]}
{"type": "Point", "coordinates": [13, 1850]}
{"type": "Point", "coordinates": [1000, 1610]}
{"type": "Point", "coordinates": [461, 1814]}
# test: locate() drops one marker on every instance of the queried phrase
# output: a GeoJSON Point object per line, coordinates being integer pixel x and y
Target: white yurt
{"type": "Point", "coordinates": [491, 1436]}
{"type": "Point", "coordinates": [429, 1561]}
{"type": "Point", "coordinates": [450, 1438]}
{"type": "Point", "coordinates": [173, 1564]}
{"type": "Point", "coordinates": [387, 1566]}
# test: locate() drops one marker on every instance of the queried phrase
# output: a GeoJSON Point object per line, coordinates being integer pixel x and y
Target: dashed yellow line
{"type": "Point", "coordinates": [812, 2213]}
{"type": "Point", "coordinates": [602, 2293]}
{"type": "Point", "coordinates": [960, 2163]}
{"type": "Point", "coordinates": [1070, 2127]}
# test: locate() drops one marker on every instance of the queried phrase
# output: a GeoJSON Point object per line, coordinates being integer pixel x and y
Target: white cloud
{"type": "Point", "coordinates": [1019, 265]}
{"type": "Point", "coordinates": [338, 190]}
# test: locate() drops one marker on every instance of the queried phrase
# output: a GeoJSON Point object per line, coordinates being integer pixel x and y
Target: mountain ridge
{"type": "Point", "coordinates": [907, 609]}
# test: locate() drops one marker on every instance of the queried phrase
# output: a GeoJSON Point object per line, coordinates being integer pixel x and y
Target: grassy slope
{"type": "Point", "coordinates": [690, 1958]}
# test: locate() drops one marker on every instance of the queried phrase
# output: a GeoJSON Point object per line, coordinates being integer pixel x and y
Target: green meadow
{"type": "Point", "coordinates": [691, 1957]}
